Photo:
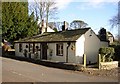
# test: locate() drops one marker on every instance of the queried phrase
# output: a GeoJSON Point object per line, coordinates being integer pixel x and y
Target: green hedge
{"type": "Point", "coordinates": [117, 51]}
{"type": "Point", "coordinates": [107, 54]}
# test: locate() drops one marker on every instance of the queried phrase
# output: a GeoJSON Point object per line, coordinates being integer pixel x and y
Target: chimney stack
{"type": "Point", "coordinates": [42, 26]}
{"type": "Point", "coordinates": [64, 26]}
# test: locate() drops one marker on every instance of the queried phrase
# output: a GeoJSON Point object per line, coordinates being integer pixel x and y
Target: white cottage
{"type": "Point", "coordinates": [64, 46]}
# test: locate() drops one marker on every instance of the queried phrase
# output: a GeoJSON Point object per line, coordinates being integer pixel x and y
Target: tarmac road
{"type": "Point", "coordinates": [21, 71]}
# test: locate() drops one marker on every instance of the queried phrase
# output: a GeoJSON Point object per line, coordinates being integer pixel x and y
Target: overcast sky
{"type": "Point", "coordinates": [94, 12]}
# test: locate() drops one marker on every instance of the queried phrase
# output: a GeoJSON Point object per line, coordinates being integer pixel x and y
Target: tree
{"type": "Point", "coordinates": [56, 25]}
{"type": "Point", "coordinates": [0, 18]}
{"type": "Point", "coordinates": [44, 10]}
{"type": "Point", "coordinates": [32, 27]}
{"type": "Point", "coordinates": [102, 34]}
{"type": "Point", "coordinates": [115, 21]}
{"type": "Point", "coordinates": [78, 24]}
{"type": "Point", "coordinates": [16, 21]}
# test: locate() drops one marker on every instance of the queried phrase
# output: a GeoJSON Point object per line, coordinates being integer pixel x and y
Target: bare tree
{"type": "Point", "coordinates": [114, 21]}
{"type": "Point", "coordinates": [57, 25]}
{"type": "Point", "coordinates": [78, 24]}
{"type": "Point", "coordinates": [45, 9]}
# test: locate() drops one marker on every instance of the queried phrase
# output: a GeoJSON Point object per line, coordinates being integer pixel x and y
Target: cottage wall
{"type": "Point", "coordinates": [17, 53]}
{"type": "Point", "coordinates": [71, 53]}
{"type": "Point", "coordinates": [80, 49]}
{"type": "Point", "coordinates": [54, 57]}
{"type": "Point", "coordinates": [92, 45]}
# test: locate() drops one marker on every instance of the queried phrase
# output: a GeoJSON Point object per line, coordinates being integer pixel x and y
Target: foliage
{"type": "Point", "coordinates": [16, 23]}
{"type": "Point", "coordinates": [78, 24]}
{"type": "Point", "coordinates": [116, 46]}
{"type": "Point", "coordinates": [0, 18]}
{"type": "Point", "coordinates": [32, 26]}
{"type": "Point", "coordinates": [107, 54]}
{"type": "Point", "coordinates": [102, 34]}
{"type": "Point", "coordinates": [55, 29]}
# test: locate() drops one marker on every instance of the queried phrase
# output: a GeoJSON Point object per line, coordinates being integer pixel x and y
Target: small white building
{"type": "Point", "coordinates": [110, 37]}
{"type": "Point", "coordinates": [64, 46]}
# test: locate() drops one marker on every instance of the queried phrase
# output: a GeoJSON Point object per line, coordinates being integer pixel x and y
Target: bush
{"type": "Point", "coordinates": [117, 51]}
{"type": "Point", "coordinates": [107, 54]}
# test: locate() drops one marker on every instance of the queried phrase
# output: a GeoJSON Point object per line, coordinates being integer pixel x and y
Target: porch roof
{"type": "Point", "coordinates": [61, 36]}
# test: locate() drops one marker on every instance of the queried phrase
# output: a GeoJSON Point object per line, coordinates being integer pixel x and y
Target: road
{"type": "Point", "coordinates": [21, 71]}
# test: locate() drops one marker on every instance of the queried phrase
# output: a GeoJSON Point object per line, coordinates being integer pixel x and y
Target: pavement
{"type": "Point", "coordinates": [21, 71]}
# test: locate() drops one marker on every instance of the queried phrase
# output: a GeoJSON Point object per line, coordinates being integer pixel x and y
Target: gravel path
{"type": "Point", "coordinates": [113, 73]}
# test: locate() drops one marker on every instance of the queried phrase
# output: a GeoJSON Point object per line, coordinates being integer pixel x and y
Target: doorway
{"type": "Point", "coordinates": [44, 51]}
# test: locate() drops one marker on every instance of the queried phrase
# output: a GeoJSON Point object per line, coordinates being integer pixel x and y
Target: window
{"type": "Point", "coordinates": [59, 49]}
{"type": "Point", "coordinates": [20, 47]}
{"type": "Point", "coordinates": [26, 46]}
{"type": "Point", "coordinates": [37, 47]}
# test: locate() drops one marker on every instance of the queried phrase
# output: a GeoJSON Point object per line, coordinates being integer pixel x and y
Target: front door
{"type": "Point", "coordinates": [44, 51]}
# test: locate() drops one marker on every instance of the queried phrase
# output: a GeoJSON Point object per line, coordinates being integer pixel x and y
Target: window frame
{"type": "Point", "coordinates": [59, 49]}
{"type": "Point", "coordinates": [20, 47]}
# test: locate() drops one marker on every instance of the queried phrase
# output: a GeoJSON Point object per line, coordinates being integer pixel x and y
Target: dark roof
{"type": "Point", "coordinates": [68, 35]}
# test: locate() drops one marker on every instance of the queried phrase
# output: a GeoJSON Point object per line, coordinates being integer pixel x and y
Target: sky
{"type": "Point", "coordinates": [96, 13]}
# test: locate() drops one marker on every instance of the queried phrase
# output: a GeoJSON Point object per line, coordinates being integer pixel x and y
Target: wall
{"type": "Point", "coordinates": [111, 39]}
{"type": "Point", "coordinates": [48, 30]}
{"type": "Point", "coordinates": [17, 53]}
{"type": "Point", "coordinates": [92, 45]}
{"type": "Point", "coordinates": [108, 65]}
{"type": "Point", "coordinates": [80, 49]}
{"type": "Point", "coordinates": [54, 57]}
{"type": "Point", "coordinates": [71, 53]}
{"type": "Point", "coordinates": [103, 44]}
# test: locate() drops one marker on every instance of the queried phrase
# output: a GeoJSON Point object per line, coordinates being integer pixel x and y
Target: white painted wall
{"type": "Point", "coordinates": [71, 53]}
{"type": "Point", "coordinates": [39, 52]}
{"type": "Point", "coordinates": [111, 39]}
{"type": "Point", "coordinates": [48, 30]}
{"type": "Point", "coordinates": [92, 45]}
{"type": "Point", "coordinates": [17, 53]}
{"type": "Point", "coordinates": [104, 44]}
{"type": "Point", "coordinates": [80, 49]}
{"type": "Point", "coordinates": [54, 57]}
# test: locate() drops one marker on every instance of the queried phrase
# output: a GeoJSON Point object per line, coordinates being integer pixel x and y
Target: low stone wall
{"type": "Point", "coordinates": [108, 65]}
{"type": "Point", "coordinates": [69, 66]}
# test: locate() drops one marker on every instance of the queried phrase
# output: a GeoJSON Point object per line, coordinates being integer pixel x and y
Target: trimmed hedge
{"type": "Point", "coordinates": [107, 54]}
